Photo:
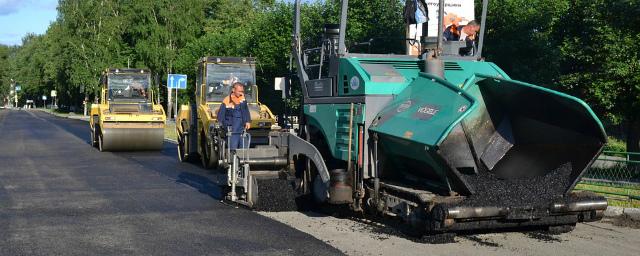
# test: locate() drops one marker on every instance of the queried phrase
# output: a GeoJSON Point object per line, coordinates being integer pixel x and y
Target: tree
{"type": "Point", "coordinates": [601, 59]}
{"type": "Point", "coordinates": [5, 79]}
{"type": "Point", "coordinates": [157, 30]}
{"type": "Point", "coordinates": [520, 38]}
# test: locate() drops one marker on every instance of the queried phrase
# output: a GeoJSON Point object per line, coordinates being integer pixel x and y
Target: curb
{"type": "Point", "coordinates": [614, 211]}
{"type": "Point", "coordinates": [74, 117]}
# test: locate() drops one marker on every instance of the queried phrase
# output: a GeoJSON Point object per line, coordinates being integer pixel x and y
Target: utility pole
{"type": "Point", "coordinates": [175, 108]}
{"type": "Point", "coordinates": [169, 101]}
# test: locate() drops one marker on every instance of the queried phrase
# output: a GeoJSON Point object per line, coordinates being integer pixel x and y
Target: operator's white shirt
{"type": "Point", "coordinates": [463, 35]}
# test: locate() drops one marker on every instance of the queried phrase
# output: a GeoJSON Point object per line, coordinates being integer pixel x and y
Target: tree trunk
{"type": "Point", "coordinates": [633, 145]}
{"type": "Point", "coordinates": [633, 136]}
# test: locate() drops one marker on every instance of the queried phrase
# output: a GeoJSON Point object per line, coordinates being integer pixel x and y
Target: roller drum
{"type": "Point", "coordinates": [132, 139]}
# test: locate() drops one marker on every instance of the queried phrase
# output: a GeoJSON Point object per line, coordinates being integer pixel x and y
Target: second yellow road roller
{"type": "Point", "coordinates": [127, 118]}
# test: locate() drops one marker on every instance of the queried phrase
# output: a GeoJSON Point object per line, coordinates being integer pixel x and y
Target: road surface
{"type": "Point", "coordinates": [59, 196]}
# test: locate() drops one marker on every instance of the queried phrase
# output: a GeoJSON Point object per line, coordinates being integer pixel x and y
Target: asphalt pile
{"type": "Point", "coordinates": [490, 190]}
{"type": "Point", "coordinates": [446, 238]}
{"type": "Point", "coordinates": [276, 195]}
{"type": "Point", "coordinates": [541, 236]}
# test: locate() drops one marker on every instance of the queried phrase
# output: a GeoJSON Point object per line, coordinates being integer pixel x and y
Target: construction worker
{"type": "Point", "coordinates": [465, 33]}
{"type": "Point", "coordinates": [234, 114]}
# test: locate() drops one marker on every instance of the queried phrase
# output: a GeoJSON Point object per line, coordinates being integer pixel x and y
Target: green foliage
{"type": "Point", "coordinates": [600, 59]}
{"type": "Point", "coordinates": [5, 52]}
{"type": "Point", "coordinates": [589, 48]}
{"type": "Point", "coordinates": [615, 145]}
{"type": "Point", "coordinates": [168, 37]}
{"type": "Point", "coordinates": [520, 38]}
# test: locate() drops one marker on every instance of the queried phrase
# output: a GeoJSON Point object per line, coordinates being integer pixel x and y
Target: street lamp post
{"type": "Point", "coordinates": [15, 92]}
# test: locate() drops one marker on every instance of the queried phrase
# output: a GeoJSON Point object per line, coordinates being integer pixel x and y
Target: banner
{"type": "Point", "coordinates": [458, 12]}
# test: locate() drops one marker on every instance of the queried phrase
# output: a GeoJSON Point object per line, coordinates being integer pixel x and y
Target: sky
{"type": "Point", "coordinates": [20, 17]}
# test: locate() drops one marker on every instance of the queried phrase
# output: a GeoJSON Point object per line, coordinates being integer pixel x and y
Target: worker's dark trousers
{"type": "Point", "coordinates": [237, 141]}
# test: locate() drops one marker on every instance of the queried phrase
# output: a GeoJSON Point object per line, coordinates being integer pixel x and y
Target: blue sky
{"type": "Point", "coordinates": [19, 17]}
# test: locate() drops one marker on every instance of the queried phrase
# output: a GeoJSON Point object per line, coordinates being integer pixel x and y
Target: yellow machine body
{"type": "Point", "coordinates": [127, 117]}
{"type": "Point", "coordinates": [213, 83]}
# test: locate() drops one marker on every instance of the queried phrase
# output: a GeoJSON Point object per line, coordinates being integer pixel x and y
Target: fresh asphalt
{"type": "Point", "coordinates": [60, 196]}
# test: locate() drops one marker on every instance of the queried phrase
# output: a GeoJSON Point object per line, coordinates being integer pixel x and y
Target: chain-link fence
{"type": "Point", "coordinates": [616, 176]}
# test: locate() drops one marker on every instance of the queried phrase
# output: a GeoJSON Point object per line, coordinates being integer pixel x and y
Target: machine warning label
{"type": "Point", "coordinates": [404, 106]}
{"type": "Point", "coordinates": [426, 112]}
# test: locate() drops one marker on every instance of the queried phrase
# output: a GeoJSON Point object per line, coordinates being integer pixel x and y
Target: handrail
{"type": "Point", "coordinates": [622, 153]}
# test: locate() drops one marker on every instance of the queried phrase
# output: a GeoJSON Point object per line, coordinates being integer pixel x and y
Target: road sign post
{"type": "Point", "coordinates": [54, 94]}
{"type": "Point", "coordinates": [175, 81]}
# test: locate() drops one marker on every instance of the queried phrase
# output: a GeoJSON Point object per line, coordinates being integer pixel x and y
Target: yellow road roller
{"type": "Point", "coordinates": [196, 124]}
{"type": "Point", "coordinates": [127, 117]}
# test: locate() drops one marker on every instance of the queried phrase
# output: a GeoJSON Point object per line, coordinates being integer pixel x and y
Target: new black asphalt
{"type": "Point", "coordinates": [60, 196]}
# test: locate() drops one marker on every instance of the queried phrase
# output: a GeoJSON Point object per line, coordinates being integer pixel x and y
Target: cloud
{"type": "Point", "coordinates": [10, 6]}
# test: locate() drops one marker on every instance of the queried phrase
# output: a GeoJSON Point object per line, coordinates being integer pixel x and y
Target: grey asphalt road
{"type": "Point", "coordinates": [60, 196]}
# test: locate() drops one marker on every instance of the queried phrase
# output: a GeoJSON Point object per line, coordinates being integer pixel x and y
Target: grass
{"type": "Point", "coordinates": [170, 131]}
{"type": "Point", "coordinates": [54, 112]}
{"type": "Point", "coordinates": [616, 195]}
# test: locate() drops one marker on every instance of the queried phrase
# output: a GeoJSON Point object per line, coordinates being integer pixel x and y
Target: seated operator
{"type": "Point", "coordinates": [234, 113]}
{"type": "Point", "coordinates": [465, 33]}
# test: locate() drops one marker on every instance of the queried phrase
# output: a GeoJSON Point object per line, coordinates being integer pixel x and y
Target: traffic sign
{"type": "Point", "coordinates": [18, 88]}
{"type": "Point", "coordinates": [54, 93]}
{"type": "Point", "coordinates": [177, 81]}
{"type": "Point", "coordinates": [44, 97]}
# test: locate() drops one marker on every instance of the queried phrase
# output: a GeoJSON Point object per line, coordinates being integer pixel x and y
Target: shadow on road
{"type": "Point", "coordinates": [164, 162]}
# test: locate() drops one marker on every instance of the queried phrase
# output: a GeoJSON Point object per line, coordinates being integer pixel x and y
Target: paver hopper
{"type": "Point", "coordinates": [504, 149]}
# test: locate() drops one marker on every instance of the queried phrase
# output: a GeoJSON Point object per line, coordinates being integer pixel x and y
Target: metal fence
{"type": "Point", "coordinates": [615, 175]}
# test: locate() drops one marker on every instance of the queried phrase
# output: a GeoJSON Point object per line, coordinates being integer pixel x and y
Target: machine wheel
{"type": "Point", "coordinates": [318, 191]}
{"type": "Point", "coordinates": [100, 147]}
{"type": "Point", "coordinates": [182, 149]}
{"type": "Point", "coordinates": [92, 138]}
{"type": "Point", "coordinates": [210, 154]}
